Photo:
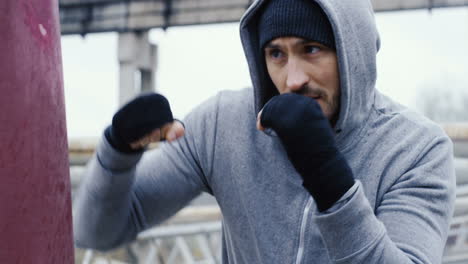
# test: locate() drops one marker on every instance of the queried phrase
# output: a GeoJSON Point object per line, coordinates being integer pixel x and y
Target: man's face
{"type": "Point", "coordinates": [296, 65]}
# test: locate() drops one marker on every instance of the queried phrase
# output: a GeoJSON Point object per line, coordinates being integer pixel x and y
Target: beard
{"type": "Point", "coordinates": [329, 102]}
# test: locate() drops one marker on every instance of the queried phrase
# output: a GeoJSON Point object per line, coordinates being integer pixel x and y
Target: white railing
{"type": "Point", "coordinates": [456, 250]}
{"type": "Point", "coordinates": [197, 243]}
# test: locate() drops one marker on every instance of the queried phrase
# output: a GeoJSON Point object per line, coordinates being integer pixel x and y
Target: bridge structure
{"type": "Point", "coordinates": [90, 16]}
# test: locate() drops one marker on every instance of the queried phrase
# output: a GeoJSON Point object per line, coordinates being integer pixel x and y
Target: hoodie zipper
{"type": "Point", "coordinates": [300, 250]}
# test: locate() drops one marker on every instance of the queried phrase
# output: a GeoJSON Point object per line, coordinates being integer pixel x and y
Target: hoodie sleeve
{"type": "Point", "coordinates": [123, 194]}
{"type": "Point", "coordinates": [411, 223]}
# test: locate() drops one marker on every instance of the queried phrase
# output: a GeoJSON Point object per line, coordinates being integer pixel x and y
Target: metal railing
{"type": "Point", "coordinates": [456, 249]}
{"type": "Point", "coordinates": [197, 243]}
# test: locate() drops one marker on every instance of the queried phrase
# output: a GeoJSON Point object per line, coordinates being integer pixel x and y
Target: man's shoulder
{"type": "Point", "coordinates": [241, 97]}
{"type": "Point", "coordinates": [230, 101]}
{"type": "Point", "coordinates": [403, 121]}
{"type": "Point", "coordinates": [236, 106]}
{"type": "Point", "coordinates": [226, 98]}
{"type": "Point", "coordinates": [225, 103]}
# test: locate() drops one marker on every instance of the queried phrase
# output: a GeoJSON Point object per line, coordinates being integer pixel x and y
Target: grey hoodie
{"type": "Point", "coordinates": [398, 211]}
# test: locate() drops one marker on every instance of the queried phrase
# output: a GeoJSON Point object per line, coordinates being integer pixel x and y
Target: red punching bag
{"type": "Point", "coordinates": [35, 201]}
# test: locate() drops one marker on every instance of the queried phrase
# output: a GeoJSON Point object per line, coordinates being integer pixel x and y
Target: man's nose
{"type": "Point", "coordinates": [296, 78]}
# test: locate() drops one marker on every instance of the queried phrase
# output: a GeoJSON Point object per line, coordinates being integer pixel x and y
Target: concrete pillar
{"type": "Point", "coordinates": [137, 60]}
{"type": "Point", "coordinates": [35, 200]}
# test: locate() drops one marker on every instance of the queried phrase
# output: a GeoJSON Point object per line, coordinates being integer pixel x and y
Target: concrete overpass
{"type": "Point", "coordinates": [89, 16]}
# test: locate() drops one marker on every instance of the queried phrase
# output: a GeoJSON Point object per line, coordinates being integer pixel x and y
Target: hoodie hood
{"type": "Point", "coordinates": [357, 44]}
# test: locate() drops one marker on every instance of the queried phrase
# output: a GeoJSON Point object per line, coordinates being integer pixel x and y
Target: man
{"type": "Point", "coordinates": [334, 173]}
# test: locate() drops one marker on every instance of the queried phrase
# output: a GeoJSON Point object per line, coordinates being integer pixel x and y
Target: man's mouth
{"type": "Point", "coordinates": [315, 94]}
{"type": "Point", "coordinates": [315, 97]}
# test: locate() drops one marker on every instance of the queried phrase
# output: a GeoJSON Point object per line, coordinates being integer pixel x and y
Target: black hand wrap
{"type": "Point", "coordinates": [137, 119]}
{"type": "Point", "coordinates": [309, 141]}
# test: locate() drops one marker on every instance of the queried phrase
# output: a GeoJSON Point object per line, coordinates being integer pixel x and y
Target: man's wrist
{"type": "Point", "coordinates": [343, 199]}
{"type": "Point", "coordinates": [118, 144]}
{"type": "Point", "coordinates": [330, 182]}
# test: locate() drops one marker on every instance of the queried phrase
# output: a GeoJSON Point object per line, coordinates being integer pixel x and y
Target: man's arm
{"type": "Point", "coordinates": [125, 193]}
{"type": "Point", "coordinates": [411, 223]}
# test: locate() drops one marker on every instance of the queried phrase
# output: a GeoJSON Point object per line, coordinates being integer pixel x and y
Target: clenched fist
{"type": "Point", "coordinates": [309, 141]}
{"type": "Point", "coordinates": [145, 119]}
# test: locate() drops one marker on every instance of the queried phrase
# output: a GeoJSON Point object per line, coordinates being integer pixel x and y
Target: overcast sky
{"type": "Point", "coordinates": [420, 50]}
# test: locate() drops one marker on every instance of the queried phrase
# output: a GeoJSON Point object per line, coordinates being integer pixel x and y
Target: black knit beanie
{"type": "Point", "coordinates": [298, 18]}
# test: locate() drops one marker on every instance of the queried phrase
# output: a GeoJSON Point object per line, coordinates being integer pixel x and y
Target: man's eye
{"type": "Point", "coordinates": [275, 53]}
{"type": "Point", "coordinates": [312, 49]}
